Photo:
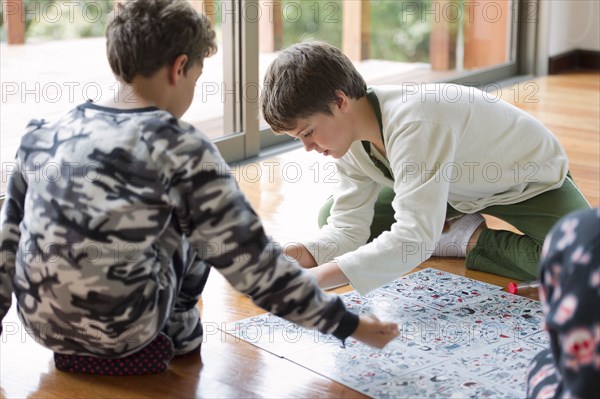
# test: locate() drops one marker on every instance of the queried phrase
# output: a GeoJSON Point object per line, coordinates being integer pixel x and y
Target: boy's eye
{"type": "Point", "coordinates": [308, 134]}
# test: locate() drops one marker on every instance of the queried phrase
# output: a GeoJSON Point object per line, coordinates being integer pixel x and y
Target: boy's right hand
{"type": "Point", "coordinates": [374, 332]}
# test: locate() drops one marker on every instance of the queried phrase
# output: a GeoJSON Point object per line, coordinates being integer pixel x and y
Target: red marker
{"type": "Point", "coordinates": [514, 288]}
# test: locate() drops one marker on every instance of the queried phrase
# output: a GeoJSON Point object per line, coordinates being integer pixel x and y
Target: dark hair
{"type": "Point", "coordinates": [303, 80]}
{"type": "Point", "coordinates": [145, 35]}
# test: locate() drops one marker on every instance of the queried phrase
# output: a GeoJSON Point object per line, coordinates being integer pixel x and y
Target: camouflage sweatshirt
{"type": "Point", "coordinates": [95, 207]}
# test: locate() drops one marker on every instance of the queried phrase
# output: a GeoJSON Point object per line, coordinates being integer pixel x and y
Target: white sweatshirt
{"type": "Point", "coordinates": [444, 144]}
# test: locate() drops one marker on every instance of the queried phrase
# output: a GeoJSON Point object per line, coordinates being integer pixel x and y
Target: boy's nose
{"type": "Point", "coordinates": [309, 145]}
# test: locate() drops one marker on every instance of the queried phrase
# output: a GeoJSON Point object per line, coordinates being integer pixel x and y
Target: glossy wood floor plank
{"type": "Point", "coordinates": [287, 194]}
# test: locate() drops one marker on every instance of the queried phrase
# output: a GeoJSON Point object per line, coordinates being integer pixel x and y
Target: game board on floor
{"type": "Point", "coordinates": [459, 338]}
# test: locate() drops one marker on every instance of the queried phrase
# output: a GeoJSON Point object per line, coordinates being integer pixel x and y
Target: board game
{"type": "Point", "coordinates": [459, 338]}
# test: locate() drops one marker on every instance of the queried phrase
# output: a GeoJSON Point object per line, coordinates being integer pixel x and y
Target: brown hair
{"type": "Point", "coordinates": [145, 35]}
{"type": "Point", "coordinates": [303, 81]}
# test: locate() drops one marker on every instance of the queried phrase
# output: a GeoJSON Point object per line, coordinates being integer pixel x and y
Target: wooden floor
{"type": "Point", "coordinates": [286, 191]}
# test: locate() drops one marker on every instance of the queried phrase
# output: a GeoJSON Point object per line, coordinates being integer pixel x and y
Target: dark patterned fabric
{"type": "Point", "coordinates": [152, 359]}
{"type": "Point", "coordinates": [570, 297]}
{"type": "Point", "coordinates": [111, 223]}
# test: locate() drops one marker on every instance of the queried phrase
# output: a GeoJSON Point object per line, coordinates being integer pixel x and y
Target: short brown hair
{"type": "Point", "coordinates": [145, 35]}
{"type": "Point", "coordinates": [303, 81]}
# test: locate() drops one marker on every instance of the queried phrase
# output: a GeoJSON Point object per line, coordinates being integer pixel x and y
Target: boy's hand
{"type": "Point", "coordinates": [374, 332]}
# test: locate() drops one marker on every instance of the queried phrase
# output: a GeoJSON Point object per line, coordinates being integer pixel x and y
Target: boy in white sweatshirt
{"type": "Point", "coordinates": [439, 151]}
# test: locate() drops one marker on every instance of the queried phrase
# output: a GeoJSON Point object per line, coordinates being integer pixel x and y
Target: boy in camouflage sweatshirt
{"type": "Point", "coordinates": [108, 257]}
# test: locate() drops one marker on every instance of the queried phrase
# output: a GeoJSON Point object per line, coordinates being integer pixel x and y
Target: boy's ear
{"type": "Point", "coordinates": [176, 70]}
{"type": "Point", "coordinates": [341, 100]}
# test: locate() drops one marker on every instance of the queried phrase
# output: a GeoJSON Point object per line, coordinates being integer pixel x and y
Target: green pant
{"type": "Point", "coordinates": [499, 251]}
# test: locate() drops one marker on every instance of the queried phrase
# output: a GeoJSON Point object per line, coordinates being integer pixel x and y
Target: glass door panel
{"type": "Point", "coordinates": [399, 41]}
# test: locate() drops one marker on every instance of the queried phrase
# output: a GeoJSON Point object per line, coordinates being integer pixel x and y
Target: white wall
{"type": "Point", "coordinates": [573, 24]}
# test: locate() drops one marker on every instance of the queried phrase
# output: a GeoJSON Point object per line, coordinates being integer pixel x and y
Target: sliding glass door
{"type": "Point", "coordinates": [390, 42]}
